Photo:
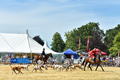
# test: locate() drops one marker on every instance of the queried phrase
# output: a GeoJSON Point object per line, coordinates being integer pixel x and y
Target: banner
{"type": "Point", "coordinates": [20, 60]}
{"type": "Point", "coordinates": [13, 60]}
{"type": "Point", "coordinates": [87, 42]}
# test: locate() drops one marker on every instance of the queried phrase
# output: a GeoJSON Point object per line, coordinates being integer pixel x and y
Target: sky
{"type": "Point", "coordinates": [46, 17]}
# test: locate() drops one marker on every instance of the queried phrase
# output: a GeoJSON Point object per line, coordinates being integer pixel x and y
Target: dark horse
{"type": "Point", "coordinates": [39, 57]}
{"type": "Point", "coordinates": [97, 62]}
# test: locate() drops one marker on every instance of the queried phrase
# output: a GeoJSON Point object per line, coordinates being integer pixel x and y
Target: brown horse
{"type": "Point", "coordinates": [39, 57]}
{"type": "Point", "coordinates": [97, 62]}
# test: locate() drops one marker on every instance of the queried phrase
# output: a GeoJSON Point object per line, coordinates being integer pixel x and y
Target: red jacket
{"type": "Point", "coordinates": [93, 53]}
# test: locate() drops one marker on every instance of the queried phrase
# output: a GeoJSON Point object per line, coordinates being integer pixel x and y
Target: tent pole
{"type": "Point", "coordinates": [29, 42]}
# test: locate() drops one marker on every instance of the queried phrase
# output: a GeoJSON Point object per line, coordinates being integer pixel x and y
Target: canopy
{"type": "Point", "coordinates": [97, 50]}
{"type": "Point", "coordinates": [71, 52]}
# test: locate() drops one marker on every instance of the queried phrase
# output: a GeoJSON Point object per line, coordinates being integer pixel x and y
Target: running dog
{"type": "Point", "coordinates": [25, 66]}
{"type": "Point", "coordinates": [75, 66]}
{"type": "Point", "coordinates": [37, 68]}
{"type": "Point", "coordinates": [18, 68]}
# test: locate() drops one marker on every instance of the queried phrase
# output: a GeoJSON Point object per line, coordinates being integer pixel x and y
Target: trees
{"type": "Point", "coordinates": [58, 44]}
{"type": "Point", "coordinates": [97, 42]}
{"type": "Point", "coordinates": [72, 37]}
{"type": "Point", "coordinates": [110, 35]}
{"type": "Point", "coordinates": [116, 45]}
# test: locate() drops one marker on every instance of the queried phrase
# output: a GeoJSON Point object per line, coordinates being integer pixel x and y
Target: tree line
{"type": "Point", "coordinates": [108, 42]}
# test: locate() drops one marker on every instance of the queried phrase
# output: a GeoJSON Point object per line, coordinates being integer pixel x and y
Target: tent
{"type": "Point", "coordinates": [20, 43]}
{"type": "Point", "coordinates": [48, 50]}
{"type": "Point", "coordinates": [97, 50]}
{"type": "Point", "coordinates": [71, 52]}
{"type": "Point", "coordinates": [82, 53]}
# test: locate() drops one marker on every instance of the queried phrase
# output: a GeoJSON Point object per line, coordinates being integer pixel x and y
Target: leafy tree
{"type": "Point", "coordinates": [110, 35]}
{"type": "Point", "coordinates": [72, 37]}
{"type": "Point", "coordinates": [96, 42]}
{"type": "Point", "coordinates": [116, 45]}
{"type": "Point", "coordinates": [58, 44]}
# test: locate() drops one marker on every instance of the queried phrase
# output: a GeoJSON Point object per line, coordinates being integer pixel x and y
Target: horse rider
{"type": "Point", "coordinates": [93, 54]}
{"type": "Point", "coordinates": [43, 54]}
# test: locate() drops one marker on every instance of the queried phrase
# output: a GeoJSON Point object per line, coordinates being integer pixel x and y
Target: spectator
{"type": "Point", "coordinates": [17, 56]}
{"type": "Point", "coordinates": [24, 56]}
{"type": "Point", "coordinates": [9, 56]}
{"type": "Point", "coordinates": [62, 59]}
{"type": "Point", "coordinates": [72, 59]}
{"type": "Point", "coordinates": [1, 58]}
{"type": "Point", "coordinates": [56, 60]}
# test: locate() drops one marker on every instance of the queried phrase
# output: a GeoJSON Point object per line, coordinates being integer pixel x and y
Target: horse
{"type": "Point", "coordinates": [39, 57]}
{"type": "Point", "coordinates": [97, 62]}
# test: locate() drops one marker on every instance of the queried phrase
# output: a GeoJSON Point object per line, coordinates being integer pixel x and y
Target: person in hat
{"type": "Point", "coordinates": [93, 54]}
{"type": "Point", "coordinates": [43, 54]}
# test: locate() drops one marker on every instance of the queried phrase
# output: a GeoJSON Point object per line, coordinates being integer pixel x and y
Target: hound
{"type": "Point", "coordinates": [51, 66]}
{"type": "Point", "coordinates": [60, 67]}
{"type": "Point", "coordinates": [37, 68]}
{"type": "Point", "coordinates": [66, 66]}
{"type": "Point", "coordinates": [18, 68]}
{"type": "Point", "coordinates": [55, 67]}
{"type": "Point", "coordinates": [25, 67]}
{"type": "Point", "coordinates": [45, 66]}
{"type": "Point", "coordinates": [75, 66]}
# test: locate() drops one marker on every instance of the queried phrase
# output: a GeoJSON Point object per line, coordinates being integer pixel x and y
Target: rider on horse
{"type": "Point", "coordinates": [93, 54]}
{"type": "Point", "coordinates": [43, 54]}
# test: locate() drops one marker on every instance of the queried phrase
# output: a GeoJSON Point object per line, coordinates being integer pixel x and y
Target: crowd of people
{"type": "Point", "coordinates": [7, 57]}
{"type": "Point", "coordinates": [106, 60]}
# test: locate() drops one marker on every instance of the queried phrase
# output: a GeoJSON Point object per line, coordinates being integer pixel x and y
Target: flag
{"type": "Point", "coordinates": [79, 42]}
{"type": "Point", "coordinates": [87, 42]}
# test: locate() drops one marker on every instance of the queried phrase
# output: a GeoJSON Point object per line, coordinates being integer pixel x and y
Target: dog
{"type": "Point", "coordinates": [25, 67]}
{"type": "Point", "coordinates": [45, 66]}
{"type": "Point", "coordinates": [60, 67]}
{"type": "Point", "coordinates": [66, 66]}
{"type": "Point", "coordinates": [76, 66]}
{"type": "Point", "coordinates": [51, 66]}
{"type": "Point", "coordinates": [18, 68]}
{"type": "Point", "coordinates": [55, 67]}
{"type": "Point", "coordinates": [37, 68]}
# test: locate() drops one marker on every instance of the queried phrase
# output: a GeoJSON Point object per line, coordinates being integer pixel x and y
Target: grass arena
{"type": "Point", "coordinates": [110, 73]}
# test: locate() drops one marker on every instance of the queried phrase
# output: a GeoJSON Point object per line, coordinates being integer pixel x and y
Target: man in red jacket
{"type": "Point", "coordinates": [93, 54]}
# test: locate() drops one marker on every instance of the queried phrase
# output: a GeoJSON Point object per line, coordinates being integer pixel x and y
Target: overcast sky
{"type": "Point", "coordinates": [45, 17]}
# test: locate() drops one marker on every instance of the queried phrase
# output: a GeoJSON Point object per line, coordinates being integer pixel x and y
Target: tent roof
{"type": "Point", "coordinates": [48, 50]}
{"type": "Point", "coordinates": [83, 53]}
{"type": "Point", "coordinates": [97, 50]}
{"type": "Point", "coordinates": [14, 43]}
{"type": "Point", "coordinates": [69, 51]}
{"type": "Point", "coordinates": [20, 43]}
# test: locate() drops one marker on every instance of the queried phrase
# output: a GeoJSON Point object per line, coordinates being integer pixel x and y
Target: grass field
{"type": "Point", "coordinates": [111, 73]}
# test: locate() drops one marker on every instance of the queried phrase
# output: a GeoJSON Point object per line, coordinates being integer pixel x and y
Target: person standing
{"type": "Point", "coordinates": [62, 59]}
{"type": "Point", "coordinates": [43, 54]}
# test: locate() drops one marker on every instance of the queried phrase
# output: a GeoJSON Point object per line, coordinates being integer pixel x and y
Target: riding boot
{"type": "Point", "coordinates": [94, 59]}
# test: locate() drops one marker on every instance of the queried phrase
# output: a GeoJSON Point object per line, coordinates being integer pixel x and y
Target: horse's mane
{"type": "Point", "coordinates": [98, 56]}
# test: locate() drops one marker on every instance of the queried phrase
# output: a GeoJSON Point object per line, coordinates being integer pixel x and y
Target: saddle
{"type": "Point", "coordinates": [43, 56]}
{"type": "Point", "coordinates": [92, 59]}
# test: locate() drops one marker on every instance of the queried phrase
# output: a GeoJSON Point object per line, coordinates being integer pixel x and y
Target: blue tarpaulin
{"type": "Point", "coordinates": [71, 52]}
{"type": "Point", "coordinates": [20, 60]}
